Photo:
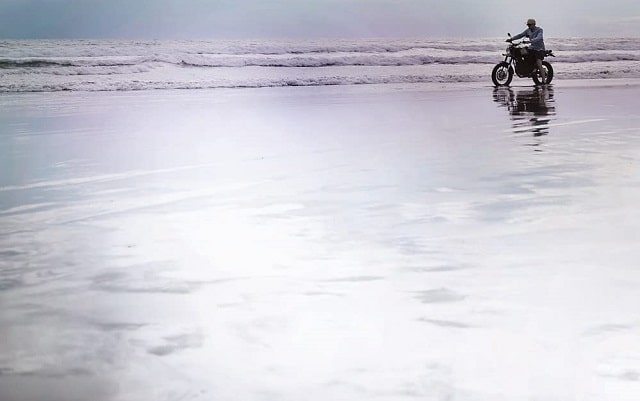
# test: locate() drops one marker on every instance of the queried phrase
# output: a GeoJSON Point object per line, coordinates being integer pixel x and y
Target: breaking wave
{"type": "Point", "coordinates": [131, 65]}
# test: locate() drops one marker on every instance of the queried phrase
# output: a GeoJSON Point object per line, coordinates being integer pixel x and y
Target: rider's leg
{"type": "Point", "coordinates": [543, 73]}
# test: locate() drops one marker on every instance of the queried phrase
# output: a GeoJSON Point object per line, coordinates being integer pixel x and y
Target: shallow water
{"type": "Point", "coordinates": [386, 242]}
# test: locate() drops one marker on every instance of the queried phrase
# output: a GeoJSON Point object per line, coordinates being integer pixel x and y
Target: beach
{"type": "Point", "coordinates": [433, 241]}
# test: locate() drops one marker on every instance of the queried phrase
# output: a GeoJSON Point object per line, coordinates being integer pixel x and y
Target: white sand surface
{"type": "Point", "coordinates": [337, 243]}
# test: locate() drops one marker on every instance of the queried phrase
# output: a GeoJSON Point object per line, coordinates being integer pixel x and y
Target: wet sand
{"type": "Point", "coordinates": [337, 243]}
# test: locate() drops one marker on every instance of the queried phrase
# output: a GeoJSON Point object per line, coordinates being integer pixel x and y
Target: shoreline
{"type": "Point", "coordinates": [373, 87]}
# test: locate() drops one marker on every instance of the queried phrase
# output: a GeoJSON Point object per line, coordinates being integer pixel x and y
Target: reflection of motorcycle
{"type": "Point", "coordinates": [518, 58]}
{"type": "Point", "coordinates": [531, 110]}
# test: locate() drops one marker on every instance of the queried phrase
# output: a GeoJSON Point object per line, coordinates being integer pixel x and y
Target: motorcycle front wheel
{"type": "Point", "coordinates": [502, 74]}
{"type": "Point", "coordinates": [537, 78]}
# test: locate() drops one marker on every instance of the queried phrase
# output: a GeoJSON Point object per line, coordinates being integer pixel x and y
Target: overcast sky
{"type": "Point", "coordinates": [313, 18]}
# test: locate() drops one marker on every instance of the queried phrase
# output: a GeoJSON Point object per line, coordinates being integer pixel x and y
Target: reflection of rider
{"type": "Point", "coordinates": [534, 33]}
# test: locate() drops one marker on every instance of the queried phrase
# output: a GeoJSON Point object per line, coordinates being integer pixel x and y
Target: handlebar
{"type": "Point", "coordinates": [523, 41]}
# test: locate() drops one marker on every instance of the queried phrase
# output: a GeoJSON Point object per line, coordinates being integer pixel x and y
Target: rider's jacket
{"type": "Point", "coordinates": [535, 35]}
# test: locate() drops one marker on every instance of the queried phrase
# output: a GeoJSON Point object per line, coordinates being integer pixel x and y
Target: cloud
{"type": "Point", "coordinates": [305, 19]}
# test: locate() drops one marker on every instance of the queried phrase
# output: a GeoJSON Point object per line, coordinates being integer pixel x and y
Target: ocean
{"type": "Point", "coordinates": [125, 65]}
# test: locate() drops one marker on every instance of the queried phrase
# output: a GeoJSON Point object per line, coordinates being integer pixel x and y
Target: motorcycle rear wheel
{"type": "Point", "coordinates": [502, 74]}
{"type": "Point", "coordinates": [537, 78]}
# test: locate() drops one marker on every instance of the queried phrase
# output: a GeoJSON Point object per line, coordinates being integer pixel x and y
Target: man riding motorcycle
{"type": "Point", "coordinates": [537, 49]}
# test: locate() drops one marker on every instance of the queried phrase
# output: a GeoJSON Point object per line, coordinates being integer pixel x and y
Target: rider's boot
{"type": "Point", "coordinates": [543, 73]}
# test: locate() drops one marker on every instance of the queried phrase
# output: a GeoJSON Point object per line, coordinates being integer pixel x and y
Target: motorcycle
{"type": "Point", "coordinates": [519, 59]}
